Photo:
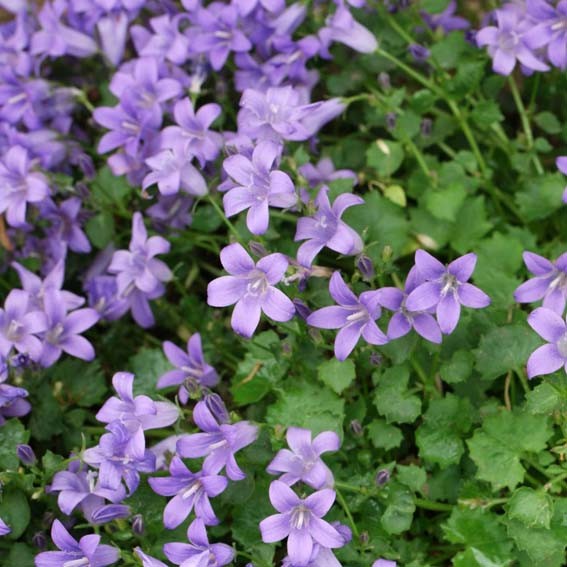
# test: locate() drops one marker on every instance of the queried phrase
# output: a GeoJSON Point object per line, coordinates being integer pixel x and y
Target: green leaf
{"type": "Point", "coordinates": [148, 365]}
{"type": "Point", "coordinates": [109, 189]}
{"type": "Point", "coordinates": [206, 219]}
{"type": "Point", "coordinates": [543, 399]}
{"type": "Point", "coordinates": [12, 434]}
{"type": "Point", "coordinates": [392, 399]}
{"type": "Point", "coordinates": [541, 196]}
{"type": "Point", "coordinates": [446, 203]}
{"type": "Point", "coordinates": [396, 194]}
{"type": "Point", "coordinates": [398, 516]}
{"type": "Point", "coordinates": [413, 477]}
{"type": "Point", "coordinates": [337, 375]}
{"type": "Point", "coordinates": [307, 405]}
{"type": "Point", "coordinates": [485, 113]}
{"type": "Point", "coordinates": [458, 368]}
{"type": "Point", "coordinates": [534, 508]}
{"type": "Point", "coordinates": [100, 229]}
{"type": "Point", "coordinates": [439, 438]}
{"type": "Point", "coordinates": [548, 122]}
{"type": "Point", "coordinates": [384, 435]}
{"type": "Point", "coordinates": [21, 555]}
{"type": "Point", "coordinates": [504, 349]}
{"type": "Point", "coordinates": [448, 50]}
{"type": "Point", "coordinates": [385, 157]}
{"type": "Point", "coordinates": [46, 419]}
{"type": "Point", "coordinates": [434, 6]}
{"type": "Point", "coordinates": [83, 383]}
{"type": "Point", "coordinates": [471, 224]}
{"type": "Point", "coordinates": [15, 511]}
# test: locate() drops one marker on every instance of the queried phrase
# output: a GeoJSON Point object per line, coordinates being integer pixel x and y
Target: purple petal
{"type": "Point", "coordinates": [246, 316]}
{"type": "Point", "coordinates": [532, 290]}
{"type": "Point", "coordinates": [333, 317]}
{"type": "Point", "coordinates": [463, 267]}
{"type": "Point", "coordinates": [538, 265]}
{"type": "Point", "coordinates": [277, 305]}
{"type": "Point", "coordinates": [429, 267]}
{"type": "Point", "coordinates": [472, 296]}
{"type": "Point", "coordinates": [275, 528]}
{"type": "Point", "coordinates": [372, 334]}
{"type": "Point", "coordinates": [547, 324]}
{"type": "Point", "coordinates": [399, 326]}
{"type": "Point", "coordinates": [325, 534]}
{"type": "Point", "coordinates": [544, 360]}
{"type": "Point", "coordinates": [274, 266]}
{"type": "Point", "coordinates": [236, 260]}
{"type": "Point", "coordinates": [346, 340]}
{"type": "Point", "coordinates": [299, 547]}
{"type": "Point", "coordinates": [282, 497]}
{"type": "Point", "coordinates": [340, 292]}
{"type": "Point", "coordinates": [426, 326]}
{"type": "Point", "coordinates": [325, 442]}
{"type": "Point", "coordinates": [448, 313]}
{"type": "Point", "coordinates": [225, 291]}
{"type": "Point", "coordinates": [424, 297]}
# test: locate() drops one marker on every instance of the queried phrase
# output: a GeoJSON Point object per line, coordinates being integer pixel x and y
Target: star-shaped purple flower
{"type": "Point", "coordinates": [87, 551]}
{"type": "Point", "coordinates": [190, 367]}
{"type": "Point", "coordinates": [549, 283]}
{"type": "Point", "coordinates": [300, 520]}
{"type": "Point", "coordinates": [325, 228]}
{"type": "Point", "coordinates": [189, 490]}
{"type": "Point", "coordinates": [199, 552]}
{"type": "Point", "coordinates": [252, 287]}
{"type": "Point", "coordinates": [258, 186]}
{"type": "Point", "coordinates": [303, 463]}
{"type": "Point", "coordinates": [445, 288]}
{"type": "Point", "coordinates": [552, 356]}
{"type": "Point", "coordinates": [354, 316]}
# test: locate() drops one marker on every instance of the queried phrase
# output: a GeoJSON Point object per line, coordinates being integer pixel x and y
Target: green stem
{"type": "Point", "coordinates": [525, 122]}
{"type": "Point", "coordinates": [433, 506]}
{"type": "Point", "coordinates": [347, 511]}
{"type": "Point", "coordinates": [222, 216]}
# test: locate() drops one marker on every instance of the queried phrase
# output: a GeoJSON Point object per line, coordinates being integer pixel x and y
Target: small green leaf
{"type": "Point", "coordinates": [100, 229]}
{"type": "Point", "coordinates": [534, 508]}
{"type": "Point", "coordinates": [392, 399]}
{"type": "Point", "coordinates": [385, 157]}
{"type": "Point", "coordinates": [12, 434]}
{"type": "Point", "coordinates": [445, 204]}
{"type": "Point", "coordinates": [413, 477]}
{"type": "Point", "coordinates": [15, 511]}
{"type": "Point", "coordinates": [458, 368]}
{"type": "Point", "coordinates": [337, 375]}
{"type": "Point", "coordinates": [548, 122]}
{"type": "Point", "coordinates": [148, 365]}
{"type": "Point", "coordinates": [398, 516]}
{"type": "Point", "coordinates": [384, 435]}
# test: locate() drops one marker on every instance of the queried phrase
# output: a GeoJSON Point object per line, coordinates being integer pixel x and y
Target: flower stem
{"type": "Point", "coordinates": [221, 214]}
{"type": "Point", "coordinates": [433, 506]}
{"type": "Point", "coordinates": [347, 511]}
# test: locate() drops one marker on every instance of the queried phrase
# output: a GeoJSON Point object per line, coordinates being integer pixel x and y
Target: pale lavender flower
{"type": "Point", "coordinates": [12, 402]}
{"type": "Point", "coordinates": [325, 228]}
{"type": "Point", "coordinates": [119, 455]}
{"type": "Point", "coordinates": [147, 560]}
{"type": "Point", "coordinates": [63, 332]}
{"type": "Point", "coordinates": [190, 491]}
{"type": "Point", "coordinates": [258, 186]}
{"type": "Point", "coordinates": [19, 185]}
{"type": "Point", "coordinates": [103, 296]}
{"type": "Point", "coordinates": [171, 212]}
{"type": "Point", "coordinates": [384, 563]}
{"type": "Point", "coordinates": [303, 462]}
{"type": "Point", "coordinates": [4, 528]}
{"type": "Point", "coordinates": [66, 223]}
{"type": "Point", "coordinates": [506, 42]}
{"type": "Point", "coordinates": [173, 171]}
{"type": "Point", "coordinates": [354, 316]}
{"type": "Point", "coordinates": [113, 33]}
{"type": "Point", "coordinates": [324, 172]}
{"type": "Point", "coordinates": [445, 288]}
{"type": "Point", "coordinates": [403, 320]}
{"type": "Point", "coordinates": [218, 443]}
{"type": "Point", "coordinates": [549, 283]}
{"type": "Point", "coordinates": [561, 164]}
{"type": "Point", "coordinates": [135, 411]}
{"type": "Point", "coordinates": [300, 520]}
{"type": "Point", "coordinates": [199, 551]}
{"type": "Point", "coordinates": [217, 34]}
{"type": "Point", "coordinates": [109, 513]}
{"type": "Point", "coordinates": [279, 114]}
{"type": "Point", "coordinates": [343, 28]}
{"type": "Point", "coordinates": [446, 20]}
{"type": "Point", "coordinates": [167, 41]}
{"type": "Point", "coordinates": [139, 275]}
{"type": "Point", "coordinates": [190, 368]}
{"type": "Point", "coordinates": [552, 356]}
{"type": "Point", "coordinates": [252, 287]}
{"type": "Point", "coordinates": [19, 327]}
{"type": "Point", "coordinates": [192, 133]}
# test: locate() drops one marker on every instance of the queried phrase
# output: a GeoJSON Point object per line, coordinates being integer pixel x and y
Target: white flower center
{"type": "Point", "coordinates": [300, 517]}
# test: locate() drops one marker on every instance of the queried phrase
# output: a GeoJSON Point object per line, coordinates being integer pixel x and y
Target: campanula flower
{"type": "Point", "coordinates": [552, 356]}
{"type": "Point", "coordinates": [252, 287]}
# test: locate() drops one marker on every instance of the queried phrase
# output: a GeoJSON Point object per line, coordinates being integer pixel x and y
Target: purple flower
{"type": "Point", "coordinates": [192, 133]}
{"type": "Point", "coordinates": [172, 170]}
{"type": "Point", "coordinates": [19, 185]}
{"type": "Point", "coordinates": [120, 454]}
{"type": "Point", "coordinates": [139, 275]}
{"type": "Point", "coordinates": [147, 560]}
{"type": "Point", "coordinates": [251, 287]}
{"type": "Point", "coordinates": [12, 402]}
{"type": "Point", "coordinates": [354, 316]}
{"type": "Point", "coordinates": [135, 412]}
{"type": "Point", "coordinates": [217, 33]}
{"type": "Point", "coordinates": [19, 327]}
{"type": "Point", "coordinates": [419, 53]}
{"type": "Point", "coordinates": [325, 228]}
{"type": "Point", "coordinates": [190, 368]}
{"type": "Point", "coordinates": [166, 42]}
{"type": "Point", "coordinates": [103, 297]}
{"type": "Point", "coordinates": [549, 284]}
{"type": "Point", "coordinates": [446, 20]}
{"type": "Point", "coordinates": [198, 552]}
{"type": "Point", "coordinates": [78, 487]}
{"type": "Point", "coordinates": [63, 330]}
{"type": "Point", "coordinates": [552, 356]}
{"type": "Point", "coordinates": [67, 227]}
{"type": "Point", "coordinates": [325, 172]}
{"type": "Point", "coordinates": [303, 463]}
{"type": "Point", "coordinates": [87, 551]}
{"type": "Point", "coordinates": [219, 442]}
{"type": "Point", "coordinates": [384, 563]}
{"type": "Point", "coordinates": [26, 455]}
{"type": "Point", "coordinates": [109, 513]}
{"type": "Point", "coordinates": [561, 163]}
{"type": "Point", "coordinates": [279, 114]}
{"type": "Point", "coordinates": [300, 521]}
{"type": "Point", "coordinates": [189, 490]}
{"type": "Point", "coordinates": [446, 289]}
{"type": "Point", "coordinates": [404, 320]}
{"type": "Point", "coordinates": [258, 186]}
{"type": "Point", "coordinates": [343, 28]}
{"type": "Point", "coordinates": [4, 528]}
{"type": "Point", "coordinates": [506, 42]}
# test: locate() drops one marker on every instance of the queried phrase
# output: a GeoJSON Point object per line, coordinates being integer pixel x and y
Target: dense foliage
{"type": "Point", "coordinates": [282, 284]}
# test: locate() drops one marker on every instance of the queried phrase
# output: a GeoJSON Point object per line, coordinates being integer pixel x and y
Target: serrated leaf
{"type": "Point", "coordinates": [392, 398]}
{"type": "Point", "coordinates": [412, 476]}
{"type": "Point", "coordinates": [12, 434]}
{"type": "Point", "coordinates": [384, 435]}
{"type": "Point", "coordinates": [336, 374]}
{"type": "Point", "coordinates": [148, 365]}
{"type": "Point", "coordinates": [446, 203]}
{"type": "Point", "coordinates": [534, 508]}
{"type": "Point", "coordinates": [385, 157]}
{"type": "Point", "coordinates": [398, 516]}
{"type": "Point", "coordinates": [458, 368]}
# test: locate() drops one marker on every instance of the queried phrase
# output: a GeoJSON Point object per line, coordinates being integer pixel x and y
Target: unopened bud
{"type": "Point", "coordinates": [216, 406]}
{"type": "Point", "coordinates": [384, 81]}
{"type": "Point", "coordinates": [387, 253]}
{"type": "Point", "coordinates": [108, 513]}
{"type": "Point", "coordinates": [365, 267]}
{"type": "Point", "coordinates": [426, 127]}
{"type": "Point", "coordinates": [419, 52]}
{"type": "Point", "coordinates": [39, 540]}
{"type": "Point", "coordinates": [138, 524]}
{"type": "Point", "coordinates": [356, 427]}
{"type": "Point", "coordinates": [364, 538]}
{"type": "Point", "coordinates": [376, 359]}
{"type": "Point", "coordinates": [382, 477]}
{"type": "Point", "coordinates": [257, 249]}
{"type": "Point", "coordinates": [26, 455]}
{"type": "Point", "coordinates": [391, 119]}
{"type": "Point", "coordinates": [301, 308]}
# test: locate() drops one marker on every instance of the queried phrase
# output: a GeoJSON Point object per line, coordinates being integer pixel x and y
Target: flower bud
{"type": "Point", "coordinates": [426, 127]}
{"type": "Point", "coordinates": [376, 359]}
{"type": "Point", "coordinates": [257, 249]}
{"type": "Point", "coordinates": [356, 427]}
{"type": "Point", "coordinates": [391, 119]}
{"type": "Point", "coordinates": [365, 267]}
{"type": "Point", "coordinates": [364, 538]}
{"type": "Point", "coordinates": [26, 455]}
{"type": "Point", "coordinates": [216, 406]}
{"type": "Point", "coordinates": [39, 540]}
{"type": "Point", "coordinates": [109, 512]}
{"type": "Point", "coordinates": [138, 524]}
{"type": "Point", "coordinates": [382, 477]}
{"type": "Point", "coordinates": [301, 308]}
{"type": "Point", "coordinates": [419, 52]}
{"type": "Point", "coordinates": [384, 81]}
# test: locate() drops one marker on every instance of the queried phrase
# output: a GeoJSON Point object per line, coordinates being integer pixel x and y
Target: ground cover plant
{"type": "Point", "coordinates": [283, 283]}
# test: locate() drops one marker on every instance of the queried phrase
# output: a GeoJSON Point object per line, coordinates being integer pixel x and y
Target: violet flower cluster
{"type": "Point", "coordinates": [310, 538]}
